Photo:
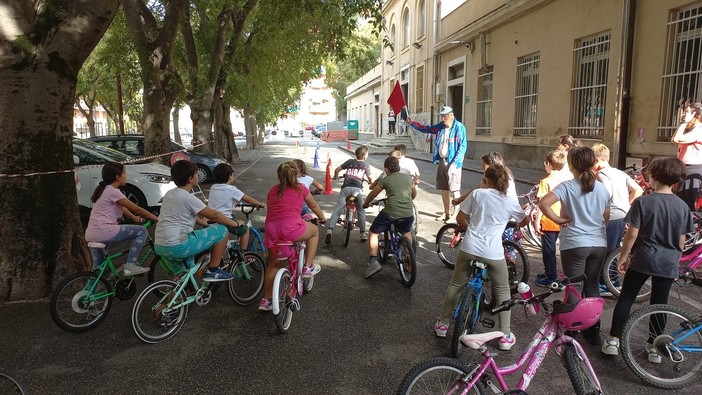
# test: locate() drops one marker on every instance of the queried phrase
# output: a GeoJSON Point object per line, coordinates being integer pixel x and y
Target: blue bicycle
{"type": "Point", "coordinates": [392, 242]}
{"type": "Point", "coordinates": [255, 238]}
{"type": "Point", "coordinates": [477, 296]}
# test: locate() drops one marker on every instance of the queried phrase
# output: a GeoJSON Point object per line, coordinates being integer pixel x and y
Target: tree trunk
{"type": "Point", "coordinates": [225, 145]}
{"type": "Point", "coordinates": [202, 127]}
{"type": "Point", "coordinates": [176, 124]}
{"type": "Point", "coordinates": [250, 126]}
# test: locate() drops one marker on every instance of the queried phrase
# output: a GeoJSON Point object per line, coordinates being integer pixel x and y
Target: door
{"type": "Point", "coordinates": [455, 101]}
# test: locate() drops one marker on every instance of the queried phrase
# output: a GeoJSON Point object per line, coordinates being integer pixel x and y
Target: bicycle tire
{"type": "Point", "coordinates": [466, 320]}
{"type": "Point", "coordinates": [437, 376]}
{"type": "Point", "coordinates": [518, 266]}
{"type": "Point", "coordinates": [70, 312]}
{"type": "Point", "coordinates": [12, 385]}
{"type": "Point", "coordinates": [534, 237]}
{"type": "Point", "coordinates": [445, 237]}
{"type": "Point", "coordinates": [415, 223]}
{"type": "Point", "coordinates": [256, 243]}
{"type": "Point", "coordinates": [613, 280]}
{"type": "Point", "coordinates": [152, 327]}
{"type": "Point", "coordinates": [283, 319]}
{"type": "Point", "coordinates": [383, 247]}
{"type": "Point", "coordinates": [672, 322]}
{"type": "Point", "coordinates": [307, 284]}
{"type": "Point", "coordinates": [349, 226]}
{"type": "Point", "coordinates": [248, 284]}
{"type": "Point", "coordinates": [157, 271]}
{"type": "Point", "coordinates": [406, 262]}
{"type": "Point", "coordinates": [580, 376]}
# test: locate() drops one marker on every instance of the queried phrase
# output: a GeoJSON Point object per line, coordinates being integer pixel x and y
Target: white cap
{"type": "Point", "coordinates": [445, 110]}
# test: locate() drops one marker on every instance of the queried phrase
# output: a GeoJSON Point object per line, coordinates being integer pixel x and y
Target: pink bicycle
{"type": "Point", "coordinates": [448, 376]}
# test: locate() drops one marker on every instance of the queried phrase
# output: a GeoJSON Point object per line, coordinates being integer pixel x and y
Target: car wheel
{"type": "Point", "coordinates": [203, 174]}
{"type": "Point", "coordinates": [135, 196]}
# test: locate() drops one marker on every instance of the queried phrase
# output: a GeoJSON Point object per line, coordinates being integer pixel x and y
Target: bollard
{"type": "Point", "coordinates": [348, 145]}
{"type": "Point", "coordinates": [316, 159]}
{"type": "Point", "coordinates": [328, 179]}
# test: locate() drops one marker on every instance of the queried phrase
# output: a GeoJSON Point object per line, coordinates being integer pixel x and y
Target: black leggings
{"type": "Point", "coordinates": [633, 281]}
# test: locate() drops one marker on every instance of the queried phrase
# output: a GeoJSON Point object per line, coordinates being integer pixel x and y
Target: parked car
{"type": "Point", "coordinates": [146, 182]}
{"type": "Point", "coordinates": [133, 145]}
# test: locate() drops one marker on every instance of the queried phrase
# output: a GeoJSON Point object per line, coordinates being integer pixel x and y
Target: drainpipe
{"type": "Point", "coordinates": [627, 53]}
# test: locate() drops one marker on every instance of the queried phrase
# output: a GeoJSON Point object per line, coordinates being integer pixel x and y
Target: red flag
{"type": "Point", "coordinates": [397, 99]}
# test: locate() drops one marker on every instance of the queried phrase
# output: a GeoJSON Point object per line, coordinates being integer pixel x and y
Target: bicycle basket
{"type": "Point", "coordinates": [578, 316]}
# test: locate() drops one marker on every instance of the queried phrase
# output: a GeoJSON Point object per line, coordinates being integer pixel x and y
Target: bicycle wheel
{"type": "Point", "coordinates": [406, 262]}
{"type": "Point", "coordinates": [75, 307]}
{"type": "Point", "coordinates": [415, 227]}
{"type": "Point", "coordinates": [667, 331]}
{"type": "Point", "coordinates": [256, 242]}
{"type": "Point", "coordinates": [284, 317]}
{"type": "Point", "coordinates": [159, 270]}
{"type": "Point", "coordinates": [614, 280]}
{"type": "Point", "coordinates": [149, 322]}
{"type": "Point", "coordinates": [466, 319]}
{"type": "Point", "coordinates": [383, 247]}
{"type": "Point", "coordinates": [448, 241]}
{"type": "Point", "coordinates": [349, 226]}
{"type": "Point", "coordinates": [248, 284]}
{"type": "Point", "coordinates": [533, 237]}
{"type": "Point", "coordinates": [438, 376]}
{"type": "Point", "coordinates": [517, 264]}
{"type": "Point", "coordinates": [583, 381]}
{"type": "Point", "coordinates": [11, 385]}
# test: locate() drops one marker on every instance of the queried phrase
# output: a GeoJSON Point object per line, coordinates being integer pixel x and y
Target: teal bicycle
{"type": "Point", "coordinates": [82, 300]}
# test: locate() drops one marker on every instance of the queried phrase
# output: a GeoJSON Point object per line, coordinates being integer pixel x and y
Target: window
{"type": "Point", "coordinates": [393, 39]}
{"type": "Point", "coordinates": [682, 78]}
{"type": "Point", "coordinates": [483, 119]}
{"type": "Point", "coordinates": [419, 90]}
{"type": "Point", "coordinates": [526, 96]}
{"type": "Point", "coordinates": [405, 28]}
{"type": "Point", "coordinates": [589, 92]}
{"type": "Point", "coordinates": [421, 19]}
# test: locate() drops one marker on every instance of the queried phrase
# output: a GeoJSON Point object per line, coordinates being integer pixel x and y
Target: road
{"type": "Point", "coordinates": [352, 335]}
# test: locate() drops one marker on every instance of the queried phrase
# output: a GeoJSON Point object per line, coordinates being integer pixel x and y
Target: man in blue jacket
{"type": "Point", "coordinates": [449, 150]}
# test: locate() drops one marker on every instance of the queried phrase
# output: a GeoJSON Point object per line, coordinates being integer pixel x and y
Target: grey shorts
{"type": "Point", "coordinates": [448, 178]}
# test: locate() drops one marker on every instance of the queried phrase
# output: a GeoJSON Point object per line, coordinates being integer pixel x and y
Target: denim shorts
{"type": "Point", "coordinates": [383, 221]}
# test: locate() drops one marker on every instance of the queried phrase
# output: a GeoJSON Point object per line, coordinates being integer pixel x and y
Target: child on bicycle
{"type": "Point", "coordinates": [306, 180]}
{"type": "Point", "coordinates": [400, 191]}
{"type": "Point", "coordinates": [652, 246]}
{"type": "Point", "coordinates": [175, 237]}
{"type": "Point", "coordinates": [485, 213]}
{"type": "Point", "coordinates": [407, 164]}
{"type": "Point", "coordinates": [284, 223]}
{"type": "Point", "coordinates": [356, 171]}
{"type": "Point", "coordinates": [224, 196]}
{"type": "Point", "coordinates": [547, 229]}
{"type": "Point", "coordinates": [109, 204]}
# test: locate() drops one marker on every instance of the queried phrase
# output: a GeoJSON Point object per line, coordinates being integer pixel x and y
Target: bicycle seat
{"type": "Point", "coordinates": [478, 340]}
{"type": "Point", "coordinates": [350, 199]}
{"type": "Point", "coordinates": [284, 249]}
{"type": "Point", "coordinates": [95, 244]}
{"type": "Point", "coordinates": [477, 264]}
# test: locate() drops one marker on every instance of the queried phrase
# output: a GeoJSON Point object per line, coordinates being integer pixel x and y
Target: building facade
{"type": "Point", "coordinates": [519, 73]}
{"type": "Point", "coordinates": [363, 101]}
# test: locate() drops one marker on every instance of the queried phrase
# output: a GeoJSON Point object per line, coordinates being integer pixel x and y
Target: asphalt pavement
{"type": "Point", "coordinates": [351, 336]}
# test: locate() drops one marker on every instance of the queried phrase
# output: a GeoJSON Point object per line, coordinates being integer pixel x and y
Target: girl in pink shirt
{"type": "Point", "coordinates": [689, 138]}
{"type": "Point", "coordinates": [284, 223]}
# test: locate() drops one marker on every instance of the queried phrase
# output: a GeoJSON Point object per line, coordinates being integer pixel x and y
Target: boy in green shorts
{"type": "Point", "coordinates": [400, 191]}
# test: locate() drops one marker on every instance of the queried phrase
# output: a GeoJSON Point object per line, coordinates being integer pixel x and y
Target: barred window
{"type": "Point", "coordinates": [589, 92]}
{"type": "Point", "coordinates": [483, 119]}
{"type": "Point", "coordinates": [419, 90]}
{"type": "Point", "coordinates": [526, 96]}
{"type": "Point", "coordinates": [682, 78]}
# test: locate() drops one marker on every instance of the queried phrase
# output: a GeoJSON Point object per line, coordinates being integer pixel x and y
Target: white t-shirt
{"type": "Point", "coordinates": [306, 181]}
{"type": "Point", "coordinates": [223, 198]}
{"type": "Point", "coordinates": [177, 218]}
{"type": "Point", "coordinates": [408, 166]}
{"type": "Point", "coordinates": [489, 211]}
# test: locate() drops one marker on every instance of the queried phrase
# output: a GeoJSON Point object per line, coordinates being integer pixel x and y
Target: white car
{"type": "Point", "coordinates": [146, 182]}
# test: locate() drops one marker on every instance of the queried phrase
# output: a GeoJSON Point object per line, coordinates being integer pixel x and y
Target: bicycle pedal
{"type": "Point", "coordinates": [492, 386]}
{"type": "Point", "coordinates": [488, 323]}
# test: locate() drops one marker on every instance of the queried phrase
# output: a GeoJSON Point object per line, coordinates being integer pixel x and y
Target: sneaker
{"type": "Point", "coordinates": [265, 305]}
{"type": "Point", "coordinates": [653, 355]}
{"type": "Point", "coordinates": [372, 269]}
{"type": "Point", "coordinates": [544, 281]}
{"type": "Point", "coordinates": [364, 236]}
{"type": "Point", "coordinates": [507, 342]}
{"type": "Point", "coordinates": [440, 329]}
{"type": "Point", "coordinates": [130, 269]}
{"type": "Point", "coordinates": [327, 238]}
{"type": "Point", "coordinates": [610, 347]}
{"type": "Point", "coordinates": [310, 271]}
{"type": "Point", "coordinates": [217, 275]}
{"type": "Point", "coordinates": [604, 291]}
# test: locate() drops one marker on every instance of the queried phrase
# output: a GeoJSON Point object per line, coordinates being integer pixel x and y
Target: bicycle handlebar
{"type": "Point", "coordinates": [556, 286]}
{"type": "Point", "coordinates": [378, 201]}
{"type": "Point", "coordinates": [247, 208]}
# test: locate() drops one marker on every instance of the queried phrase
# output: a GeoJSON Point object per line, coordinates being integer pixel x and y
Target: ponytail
{"type": "Point", "coordinates": [582, 160]}
{"type": "Point", "coordinates": [110, 172]}
{"type": "Point", "coordinates": [587, 179]}
{"type": "Point", "coordinates": [497, 177]}
{"type": "Point", "coordinates": [287, 177]}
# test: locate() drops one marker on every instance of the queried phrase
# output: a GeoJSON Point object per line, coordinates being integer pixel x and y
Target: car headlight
{"type": "Point", "coordinates": [158, 178]}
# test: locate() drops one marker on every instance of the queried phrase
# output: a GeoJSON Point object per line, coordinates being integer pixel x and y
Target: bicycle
{"type": "Point", "coordinates": [447, 376]}
{"type": "Point", "coordinates": [450, 237]}
{"type": "Point", "coordinates": [255, 237]}
{"type": "Point", "coordinates": [392, 242]}
{"type": "Point", "coordinates": [82, 300]}
{"type": "Point", "coordinates": [663, 358]}
{"type": "Point", "coordinates": [415, 224]}
{"type": "Point", "coordinates": [12, 385]}
{"type": "Point", "coordinates": [349, 221]}
{"type": "Point", "coordinates": [530, 207]}
{"type": "Point", "coordinates": [289, 284]}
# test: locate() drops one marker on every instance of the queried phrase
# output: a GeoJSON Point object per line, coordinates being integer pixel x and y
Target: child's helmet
{"type": "Point", "coordinates": [578, 316]}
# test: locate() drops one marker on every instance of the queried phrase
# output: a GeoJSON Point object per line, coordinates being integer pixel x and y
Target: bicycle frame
{"type": "Point", "coordinates": [183, 281]}
{"type": "Point", "coordinates": [247, 209]}
{"type": "Point", "coordinates": [678, 340]}
{"type": "Point", "coordinates": [476, 282]}
{"type": "Point", "coordinates": [295, 266]}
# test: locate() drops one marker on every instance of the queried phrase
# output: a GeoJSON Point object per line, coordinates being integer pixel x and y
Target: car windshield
{"type": "Point", "coordinates": [109, 153]}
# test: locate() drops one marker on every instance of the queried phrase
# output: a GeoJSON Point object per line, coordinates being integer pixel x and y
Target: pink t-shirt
{"type": "Point", "coordinates": [691, 153]}
{"type": "Point", "coordinates": [102, 225]}
{"type": "Point", "coordinates": [288, 206]}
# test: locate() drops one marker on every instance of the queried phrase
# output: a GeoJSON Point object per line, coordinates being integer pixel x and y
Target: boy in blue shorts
{"type": "Point", "coordinates": [175, 237]}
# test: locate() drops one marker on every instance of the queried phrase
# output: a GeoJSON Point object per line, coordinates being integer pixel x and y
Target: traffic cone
{"type": "Point", "coordinates": [328, 179]}
{"type": "Point", "coordinates": [348, 145]}
{"type": "Point", "coordinates": [316, 159]}
{"type": "Point", "coordinates": [304, 151]}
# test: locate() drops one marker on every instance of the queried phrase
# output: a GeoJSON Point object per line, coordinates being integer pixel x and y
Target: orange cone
{"type": "Point", "coordinates": [328, 179]}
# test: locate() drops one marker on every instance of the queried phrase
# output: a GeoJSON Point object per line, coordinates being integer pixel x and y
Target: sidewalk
{"type": "Point", "coordinates": [526, 176]}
